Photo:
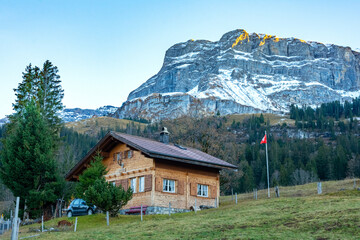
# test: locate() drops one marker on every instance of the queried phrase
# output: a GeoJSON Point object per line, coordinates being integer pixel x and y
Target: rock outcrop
{"type": "Point", "coordinates": [245, 73]}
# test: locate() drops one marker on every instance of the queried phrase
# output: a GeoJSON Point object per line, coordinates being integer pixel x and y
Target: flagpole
{"type": "Point", "coordinates": [267, 166]}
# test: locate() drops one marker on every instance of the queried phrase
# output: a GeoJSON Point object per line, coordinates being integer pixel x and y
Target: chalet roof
{"type": "Point", "coordinates": [159, 150]}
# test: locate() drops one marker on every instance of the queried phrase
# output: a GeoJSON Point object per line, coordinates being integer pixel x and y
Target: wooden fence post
{"type": "Point", "coordinates": [169, 209]}
{"type": "Point", "coordinates": [42, 223]}
{"type": "Point", "coordinates": [277, 191]}
{"type": "Point", "coordinates": [14, 234]}
{"type": "Point", "coordinates": [319, 188]}
{"type": "Point", "coordinates": [75, 224]}
{"type": "Point", "coordinates": [235, 198]}
{"type": "Point", "coordinates": [107, 218]}
{"type": "Point", "coordinates": [141, 212]}
{"type": "Point", "coordinates": [195, 206]}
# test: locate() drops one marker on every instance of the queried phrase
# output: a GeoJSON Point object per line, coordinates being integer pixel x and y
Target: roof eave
{"type": "Point", "coordinates": [190, 161]}
{"type": "Point", "coordinates": [68, 176]}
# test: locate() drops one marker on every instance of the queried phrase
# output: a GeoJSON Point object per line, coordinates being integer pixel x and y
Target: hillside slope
{"type": "Point", "coordinates": [327, 216]}
{"type": "Point", "coordinates": [93, 126]}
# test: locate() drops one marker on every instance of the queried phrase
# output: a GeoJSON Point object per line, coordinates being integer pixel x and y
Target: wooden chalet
{"type": "Point", "coordinates": [158, 172]}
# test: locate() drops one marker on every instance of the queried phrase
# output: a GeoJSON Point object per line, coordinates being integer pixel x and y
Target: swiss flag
{"type": "Point", "coordinates": [263, 140]}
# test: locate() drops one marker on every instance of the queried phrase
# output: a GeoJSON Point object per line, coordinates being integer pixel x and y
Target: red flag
{"type": "Point", "coordinates": [263, 140]}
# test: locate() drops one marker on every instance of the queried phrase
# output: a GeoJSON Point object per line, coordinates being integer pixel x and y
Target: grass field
{"type": "Point", "coordinates": [332, 215]}
{"type": "Point", "coordinates": [273, 118]}
{"type": "Point", "coordinates": [93, 125]}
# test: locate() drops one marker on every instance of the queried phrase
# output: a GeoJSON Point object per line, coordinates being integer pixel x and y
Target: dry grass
{"type": "Point", "coordinates": [332, 215]}
{"type": "Point", "coordinates": [92, 126]}
{"type": "Point", "coordinates": [274, 119]}
{"type": "Point", "coordinates": [300, 190]}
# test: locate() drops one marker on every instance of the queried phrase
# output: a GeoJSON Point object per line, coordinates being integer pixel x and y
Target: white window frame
{"type": "Point", "coordinates": [168, 185]}
{"type": "Point", "coordinates": [141, 184]}
{"type": "Point", "coordinates": [133, 184]}
{"type": "Point", "coordinates": [202, 190]}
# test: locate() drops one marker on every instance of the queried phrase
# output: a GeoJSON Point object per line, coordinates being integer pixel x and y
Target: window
{"type": "Point", "coordinates": [75, 202]}
{"type": "Point", "coordinates": [113, 183]}
{"type": "Point", "coordinates": [141, 184]}
{"type": "Point", "coordinates": [133, 184]}
{"type": "Point", "coordinates": [118, 157]}
{"type": "Point", "coordinates": [202, 190]}
{"type": "Point", "coordinates": [168, 185]}
{"type": "Point", "coordinates": [129, 154]}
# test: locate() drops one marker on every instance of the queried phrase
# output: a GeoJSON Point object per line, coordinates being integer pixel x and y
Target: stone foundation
{"type": "Point", "coordinates": [151, 210]}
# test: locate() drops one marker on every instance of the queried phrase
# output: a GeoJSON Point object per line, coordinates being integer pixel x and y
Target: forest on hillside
{"type": "Point", "coordinates": [324, 144]}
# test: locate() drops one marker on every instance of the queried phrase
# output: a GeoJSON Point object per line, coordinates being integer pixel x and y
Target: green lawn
{"type": "Point", "coordinates": [333, 215]}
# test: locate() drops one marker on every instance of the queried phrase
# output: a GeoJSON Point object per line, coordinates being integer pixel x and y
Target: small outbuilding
{"type": "Point", "coordinates": [159, 173]}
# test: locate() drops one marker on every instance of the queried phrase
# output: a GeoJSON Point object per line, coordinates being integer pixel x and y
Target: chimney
{"type": "Point", "coordinates": [164, 136]}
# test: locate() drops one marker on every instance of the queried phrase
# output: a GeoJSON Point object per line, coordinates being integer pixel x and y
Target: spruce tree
{"type": "Point", "coordinates": [28, 167]}
{"type": "Point", "coordinates": [107, 197]}
{"type": "Point", "coordinates": [44, 88]}
{"type": "Point", "coordinates": [94, 189]}
{"type": "Point", "coordinates": [96, 171]}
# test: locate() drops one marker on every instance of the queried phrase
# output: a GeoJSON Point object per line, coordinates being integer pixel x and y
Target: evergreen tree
{"type": "Point", "coordinates": [50, 94]}
{"type": "Point", "coordinates": [96, 171]}
{"type": "Point", "coordinates": [107, 197]}
{"type": "Point", "coordinates": [28, 167]}
{"type": "Point", "coordinates": [43, 87]}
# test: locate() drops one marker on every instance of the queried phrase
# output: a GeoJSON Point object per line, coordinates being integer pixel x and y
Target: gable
{"type": "Point", "coordinates": [148, 149]}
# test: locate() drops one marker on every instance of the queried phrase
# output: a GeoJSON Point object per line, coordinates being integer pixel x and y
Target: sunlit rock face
{"type": "Point", "coordinates": [245, 73]}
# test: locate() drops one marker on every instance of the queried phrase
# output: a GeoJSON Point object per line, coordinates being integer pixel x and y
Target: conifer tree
{"type": "Point", "coordinates": [94, 189]}
{"type": "Point", "coordinates": [96, 171]}
{"type": "Point", "coordinates": [28, 167]}
{"type": "Point", "coordinates": [44, 88]}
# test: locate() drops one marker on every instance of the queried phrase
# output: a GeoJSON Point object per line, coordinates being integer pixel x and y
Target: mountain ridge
{"type": "Point", "coordinates": [245, 73]}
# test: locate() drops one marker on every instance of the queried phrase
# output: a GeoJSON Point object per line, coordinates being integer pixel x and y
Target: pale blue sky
{"type": "Point", "coordinates": [105, 49]}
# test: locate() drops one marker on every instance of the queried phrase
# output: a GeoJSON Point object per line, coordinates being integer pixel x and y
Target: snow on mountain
{"type": "Point", "coordinates": [76, 114]}
{"type": "Point", "coordinates": [245, 73]}
{"type": "Point", "coordinates": [3, 121]}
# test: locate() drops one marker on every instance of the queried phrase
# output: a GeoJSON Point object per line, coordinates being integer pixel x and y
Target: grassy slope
{"type": "Point", "coordinates": [333, 215]}
{"type": "Point", "coordinates": [93, 125]}
{"type": "Point", "coordinates": [274, 119]}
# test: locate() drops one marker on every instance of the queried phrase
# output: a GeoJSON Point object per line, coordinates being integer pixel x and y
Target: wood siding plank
{"type": "Point", "coordinates": [193, 189]}
{"type": "Point", "coordinates": [180, 187]}
{"type": "Point", "coordinates": [158, 184]}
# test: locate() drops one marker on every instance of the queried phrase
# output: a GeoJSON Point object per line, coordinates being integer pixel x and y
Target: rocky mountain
{"type": "Point", "coordinates": [76, 114]}
{"type": "Point", "coordinates": [3, 121]}
{"type": "Point", "coordinates": [245, 73]}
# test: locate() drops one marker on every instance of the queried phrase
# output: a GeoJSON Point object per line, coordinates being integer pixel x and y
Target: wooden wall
{"type": "Point", "coordinates": [186, 177]}
{"type": "Point", "coordinates": [137, 166]}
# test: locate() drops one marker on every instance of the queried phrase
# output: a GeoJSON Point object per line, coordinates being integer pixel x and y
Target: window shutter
{"type": "Point", "coordinates": [158, 184]}
{"type": "Point", "coordinates": [213, 192]}
{"type": "Point", "coordinates": [117, 183]}
{"type": "Point", "coordinates": [148, 183]}
{"type": "Point", "coordinates": [124, 183]}
{"type": "Point", "coordinates": [193, 189]}
{"type": "Point", "coordinates": [180, 187]}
